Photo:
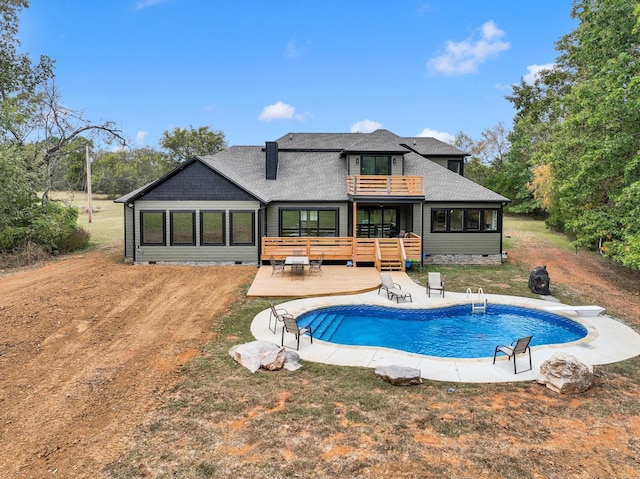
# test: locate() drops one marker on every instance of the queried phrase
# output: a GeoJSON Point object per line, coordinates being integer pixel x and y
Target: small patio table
{"type": "Point", "coordinates": [297, 264]}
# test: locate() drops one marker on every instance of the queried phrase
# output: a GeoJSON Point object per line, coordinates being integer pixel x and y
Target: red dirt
{"type": "Point", "coordinates": [88, 347]}
{"type": "Point", "coordinates": [586, 273]}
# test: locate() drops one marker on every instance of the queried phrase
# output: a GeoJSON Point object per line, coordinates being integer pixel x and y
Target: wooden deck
{"type": "Point", "coordinates": [334, 280]}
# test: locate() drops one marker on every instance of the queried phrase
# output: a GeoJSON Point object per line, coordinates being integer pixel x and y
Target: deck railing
{"type": "Point", "coordinates": [339, 248]}
{"type": "Point", "coordinates": [377, 185]}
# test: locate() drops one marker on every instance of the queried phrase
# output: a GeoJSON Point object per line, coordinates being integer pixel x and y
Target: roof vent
{"type": "Point", "coordinates": [272, 160]}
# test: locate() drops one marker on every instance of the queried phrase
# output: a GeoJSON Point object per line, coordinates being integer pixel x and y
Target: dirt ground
{"type": "Point", "coordinates": [585, 273]}
{"type": "Point", "coordinates": [89, 346]}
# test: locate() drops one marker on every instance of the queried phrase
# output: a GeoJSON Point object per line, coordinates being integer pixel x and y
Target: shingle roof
{"type": "Point", "coordinates": [321, 176]}
{"type": "Point", "coordinates": [311, 167]}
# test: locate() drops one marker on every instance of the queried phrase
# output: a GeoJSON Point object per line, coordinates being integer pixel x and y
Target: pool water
{"type": "Point", "coordinates": [445, 332]}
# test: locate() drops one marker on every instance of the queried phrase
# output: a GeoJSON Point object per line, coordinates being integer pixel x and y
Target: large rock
{"type": "Point", "coordinates": [399, 375]}
{"type": "Point", "coordinates": [564, 373]}
{"type": "Point", "coordinates": [263, 354]}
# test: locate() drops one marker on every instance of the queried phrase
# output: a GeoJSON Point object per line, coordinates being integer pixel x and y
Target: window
{"type": "Point", "coordinates": [183, 228]}
{"type": "Point", "coordinates": [456, 220]}
{"type": "Point", "coordinates": [212, 228]}
{"type": "Point", "coordinates": [303, 222]}
{"type": "Point", "coordinates": [462, 220]}
{"type": "Point", "coordinates": [472, 220]}
{"type": "Point", "coordinates": [242, 227]}
{"type": "Point", "coordinates": [152, 232]}
{"type": "Point", "coordinates": [375, 165]}
{"type": "Point", "coordinates": [490, 220]}
{"type": "Point", "coordinates": [457, 166]}
{"type": "Point", "coordinates": [374, 222]}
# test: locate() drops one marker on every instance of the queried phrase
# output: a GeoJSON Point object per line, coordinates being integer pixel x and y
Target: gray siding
{"type": "Point", "coordinates": [246, 254]}
{"type": "Point", "coordinates": [444, 160]}
{"type": "Point", "coordinates": [396, 168]}
{"type": "Point", "coordinates": [129, 240]}
{"type": "Point", "coordinates": [273, 215]}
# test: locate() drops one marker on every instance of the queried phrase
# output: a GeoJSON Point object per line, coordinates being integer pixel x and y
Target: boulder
{"type": "Point", "coordinates": [564, 373]}
{"type": "Point", "coordinates": [399, 375]}
{"type": "Point", "coordinates": [266, 355]}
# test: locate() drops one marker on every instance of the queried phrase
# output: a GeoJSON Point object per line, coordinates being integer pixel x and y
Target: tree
{"type": "Point", "coordinates": [56, 128]}
{"type": "Point", "coordinates": [474, 168]}
{"type": "Point", "coordinates": [117, 173]}
{"type": "Point", "coordinates": [183, 144]}
{"type": "Point", "coordinates": [594, 150]}
{"type": "Point", "coordinates": [19, 77]}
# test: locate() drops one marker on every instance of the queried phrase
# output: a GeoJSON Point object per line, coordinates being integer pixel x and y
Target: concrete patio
{"type": "Point", "coordinates": [607, 341]}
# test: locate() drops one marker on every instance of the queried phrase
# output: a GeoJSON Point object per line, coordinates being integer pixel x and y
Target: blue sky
{"type": "Point", "coordinates": [257, 70]}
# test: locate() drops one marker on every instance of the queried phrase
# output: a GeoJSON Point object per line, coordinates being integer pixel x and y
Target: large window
{"type": "Point", "coordinates": [375, 222]}
{"type": "Point", "coordinates": [375, 165]}
{"type": "Point", "coordinates": [307, 222]}
{"type": "Point", "coordinates": [183, 228]}
{"type": "Point", "coordinates": [212, 228]}
{"type": "Point", "coordinates": [464, 220]}
{"type": "Point", "coordinates": [242, 227]}
{"type": "Point", "coordinates": [152, 232]}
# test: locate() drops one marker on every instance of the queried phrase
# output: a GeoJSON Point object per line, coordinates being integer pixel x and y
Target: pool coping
{"type": "Point", "coordinates": [608, 340]}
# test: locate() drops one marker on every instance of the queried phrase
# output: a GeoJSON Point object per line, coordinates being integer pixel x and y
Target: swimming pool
{"type": "Point", "coordinates": [444, 332]}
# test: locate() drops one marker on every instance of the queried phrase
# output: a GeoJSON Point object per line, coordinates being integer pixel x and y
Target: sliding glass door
{"type": "Point", "coordinates": [377, 222]}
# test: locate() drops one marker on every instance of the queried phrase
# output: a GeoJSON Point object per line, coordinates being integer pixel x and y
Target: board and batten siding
{"type": "Point", "coordinates": [481, 243]}
{"type": "Point", "coordinates": [198, 253]}
{"type": "Point", "coordinates": [129, 241]}
{"type": "Point", "coordinates": [273, 215]}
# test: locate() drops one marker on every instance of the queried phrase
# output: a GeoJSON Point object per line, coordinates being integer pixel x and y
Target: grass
{"type": "Point", "coordinates": [107, 221]}
{"type": "Point", "coordinates": [330, 421]}
{"type": "Point", "coordinates": [327, 421]}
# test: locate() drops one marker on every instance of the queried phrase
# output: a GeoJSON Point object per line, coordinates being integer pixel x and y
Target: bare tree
{"type": "Point", "coordinates": [55, 127]}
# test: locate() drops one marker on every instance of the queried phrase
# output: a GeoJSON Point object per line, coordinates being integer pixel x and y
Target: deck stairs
{"type": "Point", "coordinates": [478, 301]}
{"type": "Point", "coordinates": [390, 255]}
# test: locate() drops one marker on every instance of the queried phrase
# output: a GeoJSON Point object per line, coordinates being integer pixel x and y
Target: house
{"type": "Point", "coordinates": [370, 198]}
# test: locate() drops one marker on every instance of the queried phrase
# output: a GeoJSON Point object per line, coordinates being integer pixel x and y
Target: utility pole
{"type": "Point", "coordinates": [90, 206]}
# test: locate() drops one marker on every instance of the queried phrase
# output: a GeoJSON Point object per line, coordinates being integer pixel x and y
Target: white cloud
{"type": "Point", "coordinates": [281, 111]}
{"type": "Point", "coordinates": [438, 135]}
{"type": "Point", "coordinates": [465, 56]}
{"type": "Point", "coordinates": [141, 136]}
{"type": "Point", "coordinates": [147, 3]}
{"type": "Point", "coordinates": [534, 72]}
{"type": "Point", "coordinates": [293, 50]}
{"type": "Point", "coordinates": [365, 126]}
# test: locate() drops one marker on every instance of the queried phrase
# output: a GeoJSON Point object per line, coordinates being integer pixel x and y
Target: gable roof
{"type": "Point", "coordinates": [311, 167]}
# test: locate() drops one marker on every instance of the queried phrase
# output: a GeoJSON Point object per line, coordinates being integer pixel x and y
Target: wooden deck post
{"type": "Point", "coordinates": [355, 233]}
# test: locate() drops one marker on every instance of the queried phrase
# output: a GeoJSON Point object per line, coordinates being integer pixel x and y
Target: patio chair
{"type": "Point", "coordinates": [394, 290]}
{"type": "Point", "coordinates": [315, 265]}
{"type": "Point", "coordinates": [291, 326]}
{"type": "Point", "coordinates": [387, 283]}
{"type": "Point", "coordinates": [434, 283]}
{"type": "Point", "coordinates": [517, 347]}
{"type": "Point", "coordinates": [277, 314]}
{"type": "Point", "coordinates": [277, 265]}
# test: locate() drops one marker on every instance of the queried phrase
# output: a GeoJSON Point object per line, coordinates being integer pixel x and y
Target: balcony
{"type": "Point", "coordinates": [368, 186]}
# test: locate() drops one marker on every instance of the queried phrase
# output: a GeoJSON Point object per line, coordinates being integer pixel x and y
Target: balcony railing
{"type": "Point", "coordinates": [377, 185]}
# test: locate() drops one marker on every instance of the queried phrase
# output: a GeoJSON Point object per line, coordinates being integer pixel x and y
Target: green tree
{"type": "Point", "coordinates": [20, 78]}
{"type": "Point", "coordinates": [594, 150]}
{"type": "Point", "coordinates": [183, 144]}
{"type": "Point", "coordinates": [118, 173]}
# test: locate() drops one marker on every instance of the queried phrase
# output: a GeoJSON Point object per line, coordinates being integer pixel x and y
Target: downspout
{"type": "Point", "coordinates": [262, 223]}
{"type": "Point", "coordinates": [423, 236]}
